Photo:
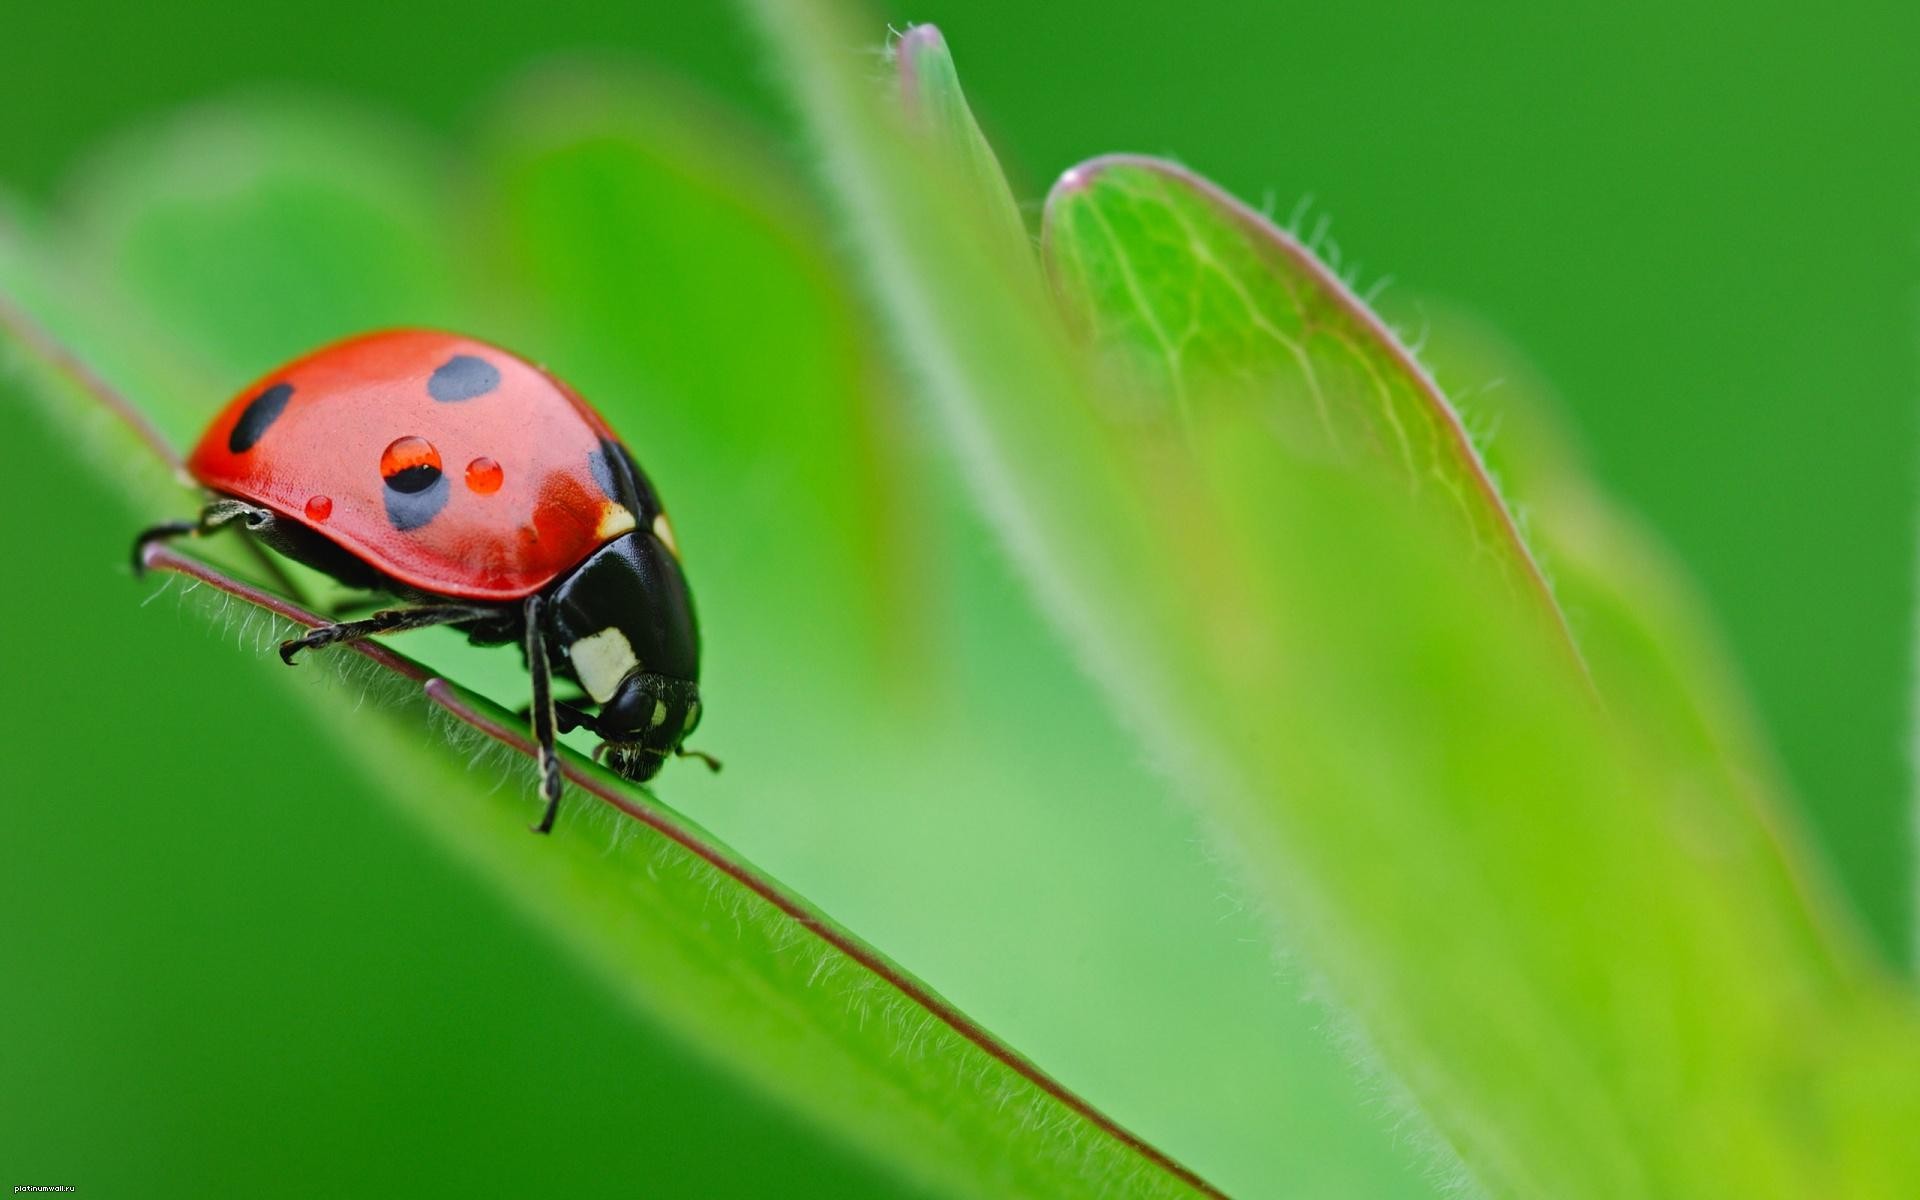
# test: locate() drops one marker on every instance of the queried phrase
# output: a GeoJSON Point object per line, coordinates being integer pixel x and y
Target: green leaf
{"type": "Point", "coordinates": [697, 940]}
{"type": "Point", "coordinates": [1195, 298]}
{"type": "Point", "coordinates": [1580, 951]}
{"type": "Point", "coordinates": [1643, 628]}
{"type": "Point", "coordinates": [1563, 948]}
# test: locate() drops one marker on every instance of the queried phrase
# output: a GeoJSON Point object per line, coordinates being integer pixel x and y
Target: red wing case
{"type": "Point", "coordinates": [447, 463]}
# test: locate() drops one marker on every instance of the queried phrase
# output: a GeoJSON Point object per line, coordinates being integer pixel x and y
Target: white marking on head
{"type": "Point", "coordinates": [664, 532]}
{"type": "Point", "coordinates": [659, 714]}
{"type": "Point", "coordinates": [602, 661]}
{"type": "Point", "coordinates": [614, 521]}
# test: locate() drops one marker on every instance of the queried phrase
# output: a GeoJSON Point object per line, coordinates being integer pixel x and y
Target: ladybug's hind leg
{"type": "Point", "coordinates": [216, 515]}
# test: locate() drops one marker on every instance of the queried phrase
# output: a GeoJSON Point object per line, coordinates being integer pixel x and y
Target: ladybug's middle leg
{"type": "Point", "coordinates": [393, 620]}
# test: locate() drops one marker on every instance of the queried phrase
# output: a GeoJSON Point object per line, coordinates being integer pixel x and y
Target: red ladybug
{"type": "Point", "coordinates": [489, 496]}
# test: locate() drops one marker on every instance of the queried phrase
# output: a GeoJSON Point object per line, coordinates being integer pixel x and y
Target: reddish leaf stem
{"type": "Point", "coordinates": [602, 785]}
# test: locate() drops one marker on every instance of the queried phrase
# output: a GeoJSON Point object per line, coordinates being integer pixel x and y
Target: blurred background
{"type": "Point", "coordinates": [1704, 233]}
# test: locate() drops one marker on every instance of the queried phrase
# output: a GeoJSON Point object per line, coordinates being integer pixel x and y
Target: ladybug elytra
{"type": "Point", "coordinates": [488, 496]}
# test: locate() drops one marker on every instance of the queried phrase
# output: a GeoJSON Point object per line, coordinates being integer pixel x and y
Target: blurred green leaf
{"type": "Point", "coordinates": [1559, 945]}
{"type": "Point", "coordinates": [234, 236]}
{"type": "Point", "coordinates": [935, 103]}
{"type": "Point", "coordinates": [675, 267]}
{"type": "Point", "coordinates": [755, 990]}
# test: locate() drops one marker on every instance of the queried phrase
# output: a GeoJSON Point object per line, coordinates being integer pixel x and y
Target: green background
{"type": "Point", "coordinates": [1704, 235]}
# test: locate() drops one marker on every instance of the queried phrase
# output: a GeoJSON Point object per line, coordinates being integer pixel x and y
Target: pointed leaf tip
{"type": "Point", "coordinates": [936, 105]}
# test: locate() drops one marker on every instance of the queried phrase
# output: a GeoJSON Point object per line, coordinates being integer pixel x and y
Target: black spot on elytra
{"type": "Point", "coordinates": [420, 500]}
{"type": "Point", "coordinates": [462, 377]}
{"type": "Point", "coordinates": [260, 414]}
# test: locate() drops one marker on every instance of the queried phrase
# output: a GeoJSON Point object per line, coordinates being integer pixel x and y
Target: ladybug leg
{"type": "Point", "coordinates": [394, 620]}
{"type": "Point", "coordinates": [164, 532]}
{"type": "Point", "coordinates": [216, 514]}
{"type": "Point", "coordinates": [567, 715]}
{"type": "Point", "coordinates": [543, 713]}
{"type": "Point", "coordinates": [570, 718]}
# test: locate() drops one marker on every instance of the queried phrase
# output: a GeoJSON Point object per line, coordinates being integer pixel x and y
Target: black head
{"type": "Point", "coordinates": [645, 721]}
{"type": "Point", "coordinates": [623, 624]}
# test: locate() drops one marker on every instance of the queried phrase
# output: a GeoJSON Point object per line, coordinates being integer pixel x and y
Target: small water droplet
{"type": "Point", "coordinates": [483, 475]}
{"type": "Point", "coordinates": [319, 508]}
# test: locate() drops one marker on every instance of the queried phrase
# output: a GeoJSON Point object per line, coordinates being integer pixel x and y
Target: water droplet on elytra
{"type": "Point", "coordinates": [484, 475]}
{"type": "Point", "coordinates": [410, 464]}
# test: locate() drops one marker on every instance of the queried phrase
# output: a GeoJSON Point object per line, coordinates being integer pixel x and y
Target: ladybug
{"type": "Point", "coordinates": [484, 494]}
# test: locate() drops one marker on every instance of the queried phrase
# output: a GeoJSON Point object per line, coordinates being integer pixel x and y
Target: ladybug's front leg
{"type": "Point", "coordinates": [567, 715]}
{"type": "Point", "coordinates": [543, 712]}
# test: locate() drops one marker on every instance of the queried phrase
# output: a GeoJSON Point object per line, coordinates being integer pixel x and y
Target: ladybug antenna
{"type": "Point", "coordinates": [713, 764]}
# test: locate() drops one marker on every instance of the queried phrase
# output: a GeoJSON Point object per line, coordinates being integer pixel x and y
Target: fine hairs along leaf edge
{"type": "Point", "coordinates": [1077, 184]}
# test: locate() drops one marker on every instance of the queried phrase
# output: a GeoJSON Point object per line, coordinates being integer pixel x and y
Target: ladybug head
{"type": "Point", "coordinates": [645, 721]}
{"type": "Point", "coordinates": [622, 622]}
